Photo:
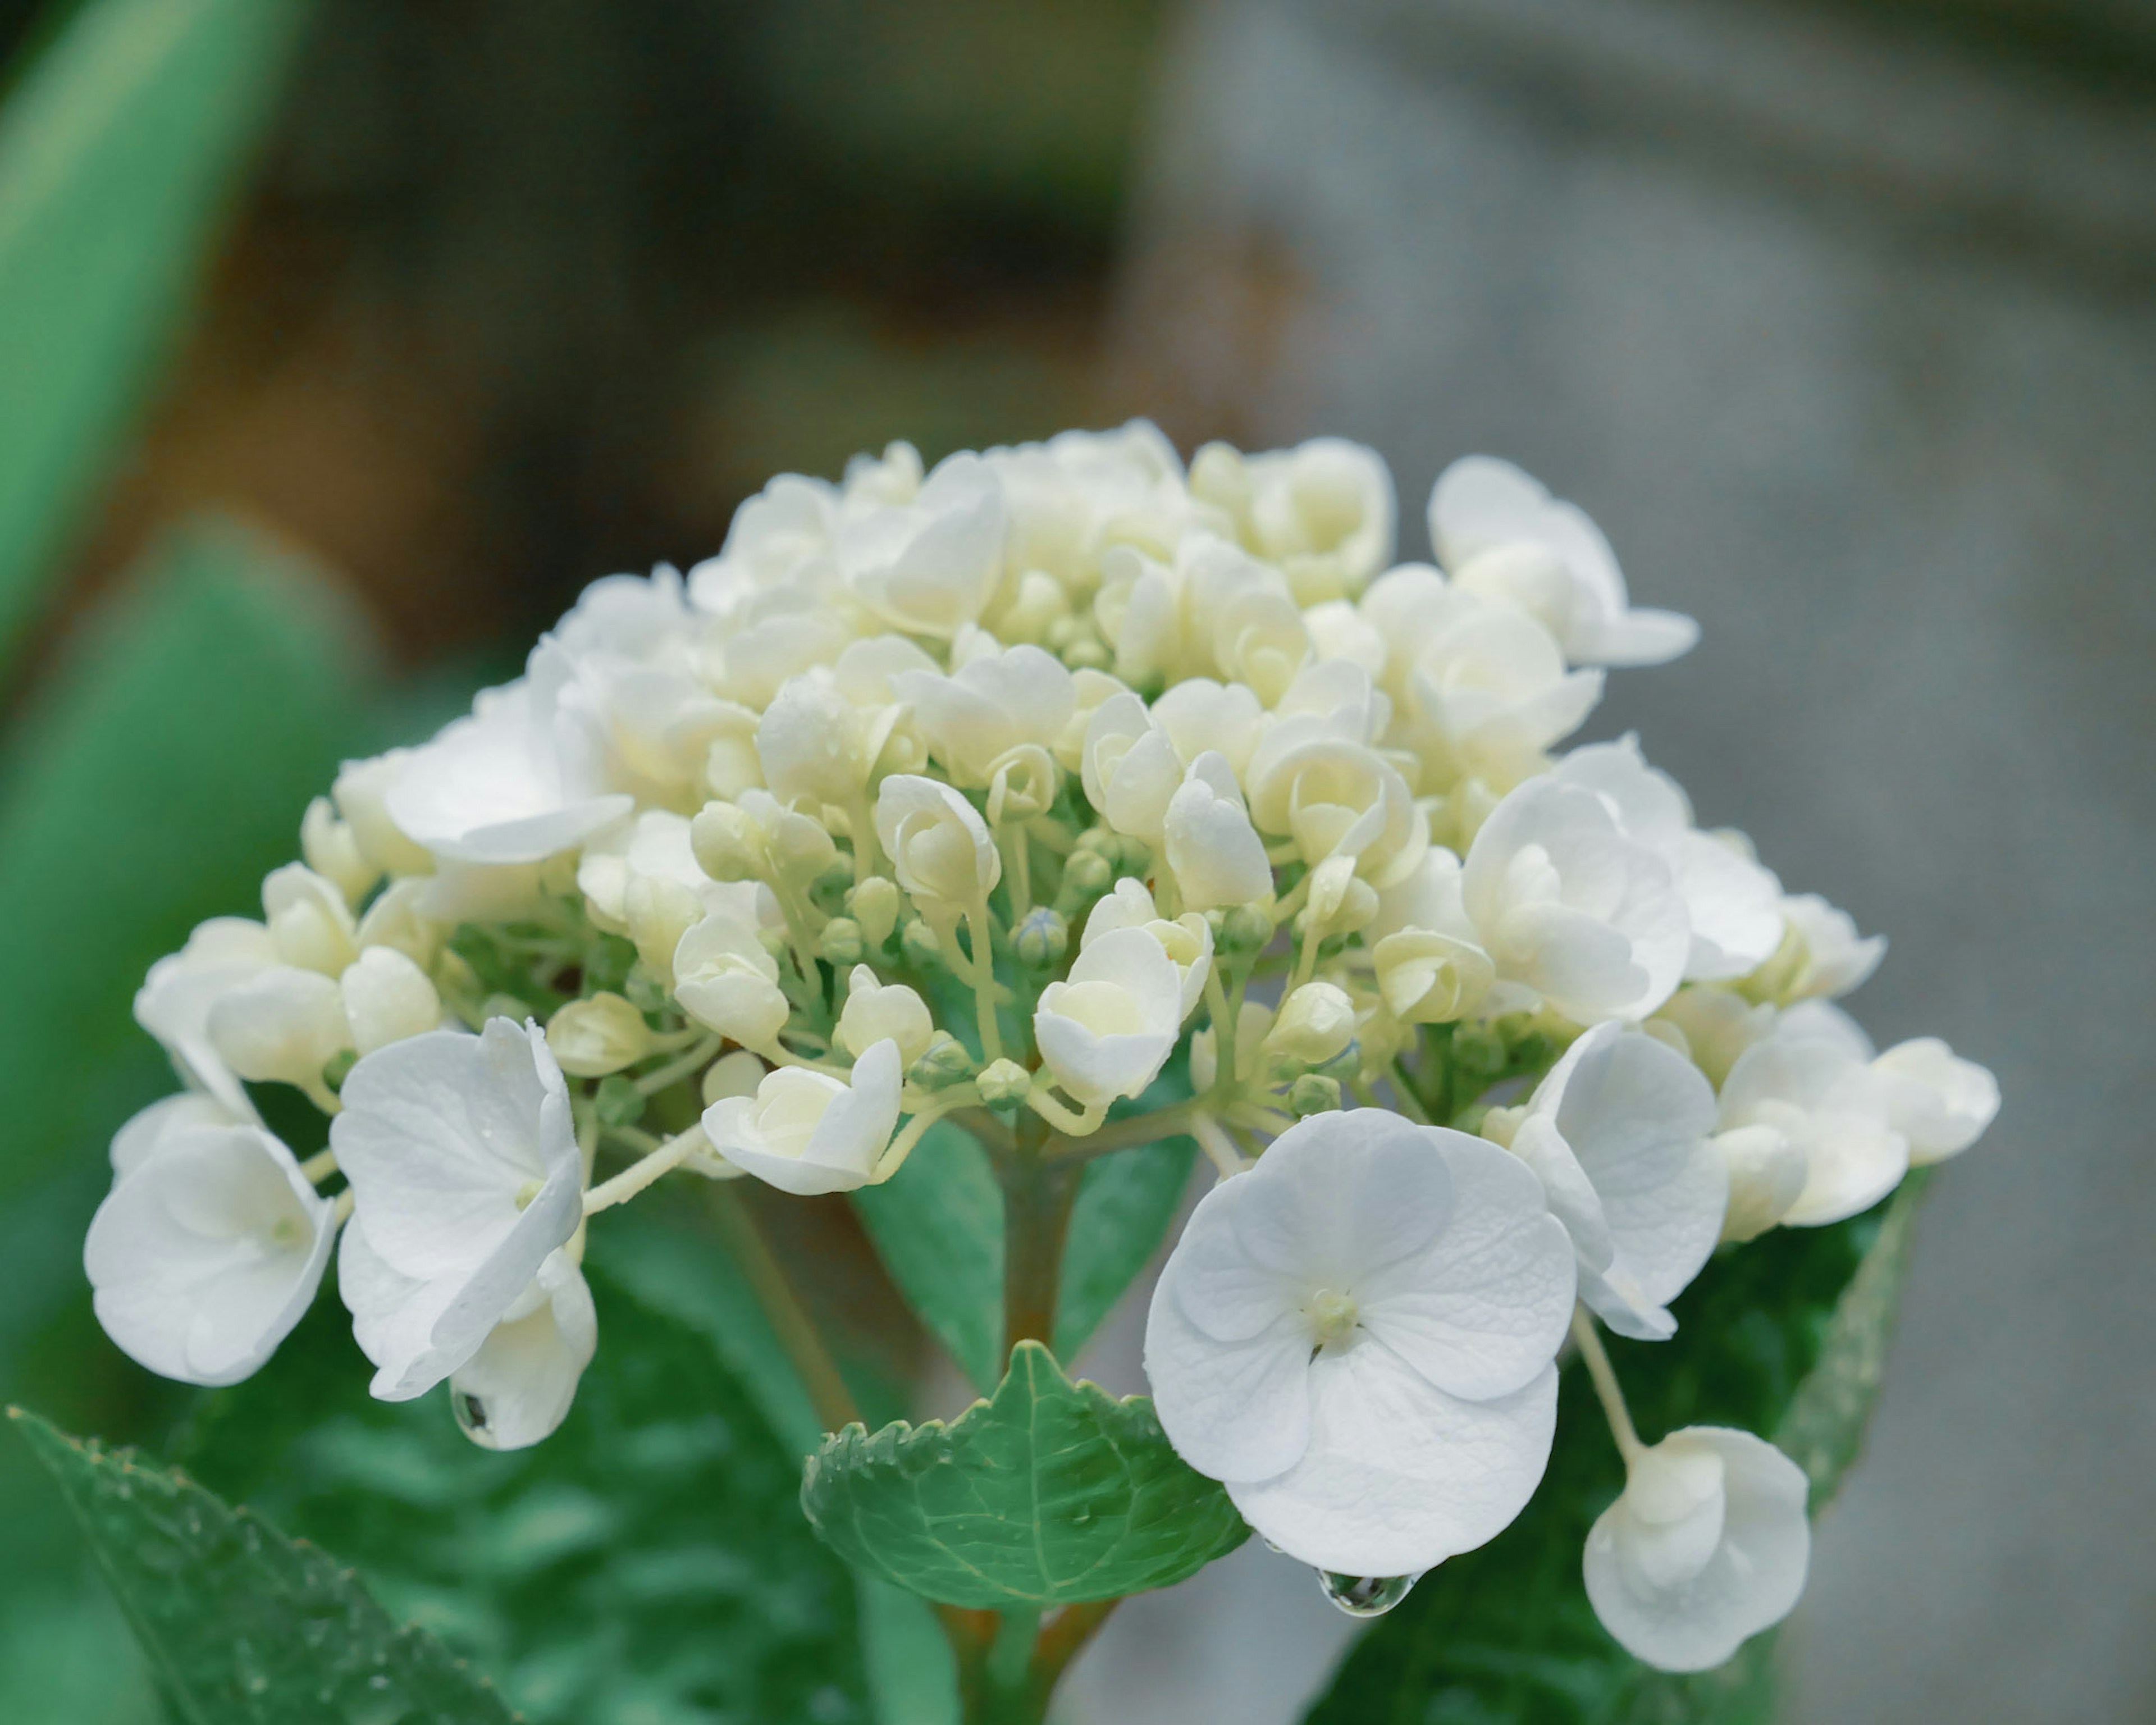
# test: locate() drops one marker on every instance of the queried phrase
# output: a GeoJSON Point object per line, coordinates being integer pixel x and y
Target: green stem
{"type": "Point", "coordinates": [796, 1330]}
{"type": "Point", "coordinates": [1038, 1194]}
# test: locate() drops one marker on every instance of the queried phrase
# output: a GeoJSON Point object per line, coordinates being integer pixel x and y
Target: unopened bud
{"type": "Point", "coordinates": [1316, 1024]}
{"type": "Point", "coordinates": [840, 941]}
{"type": "Point", "coordinates": [1004, 1083]}
{"type": "Point", "coordinates": [331, 851]}
{"type": "Point", "coordinates": [874, 904]}
{"type": "Point", "coordinates": [729, 845]}
{"type": "Point", "coordinates": [1042, 939]}
{"type": "Point", "coordinates": [1313, 1093]}
{"type": "Point", "coordinates": [945, 1062]}
{"type": "Point", "coordinates": [1085, 877]}
{"type": "Point", "coordinates": [920, 946]}
{"type": "Point", "coordinates": [594, 1037]}
{"type": "Point", "coordinates": [736, 1074]}
{"type": "Point", "coordinates": [1245, 930]}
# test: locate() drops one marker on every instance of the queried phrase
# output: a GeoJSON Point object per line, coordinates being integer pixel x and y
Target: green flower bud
{"type": "Point", "coordinates": [1085, 877]}
{"type": "Point", "coordinates": [874, 904]}
{"type": "Point", "coordinates": [620, 1103]}
{"type": "Point", "coordinates": [1004, 1083]}
{"type": "Point", "coordinates": [922, 949]}
{"type": "Point", "coordinates": [840, 941]}
{"type": "Point", "coordinates": [1313, 1093]}
{"type": "Point", "coordinates": [1245, 930]}
{"type": "Point", "coordinates": [947, 1062]}
{"type": "Point", "coordinates": [643, 990]}
{"type": "Point", "coordinates": [1042, 939]}
{"type": "Point", "coordinates": [1100, 839]}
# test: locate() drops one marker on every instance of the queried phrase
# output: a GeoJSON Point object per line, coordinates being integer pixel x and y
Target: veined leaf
{"type": "Point", "coordinates": [938, 1226]}
{"type": "Point", "coordinates": [116, 155]}
{"type": "Point", "coordinates": [1047, 1494]}
{"type": "Point", "coordinates": [1784, 1336]}
{"type": "Point", "coordinates": [241, 1624]}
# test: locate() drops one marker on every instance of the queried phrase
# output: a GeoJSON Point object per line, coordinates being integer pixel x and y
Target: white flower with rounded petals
{"type": "Point", "coordinates": [998, 701]}
{"type": "Point", "coordinates": [209, 1247]}
{"type": "Point", "coordinates": [1107, 1030]}
{"type": "Point", "coordinates": [465, 1174]}
{"type": "Point", "coordinates": [517, 1388]}
{"type": "Point", "coordinates": [1199, 715]}
{"type": "Point", "coordinates": [1212, 849]}
{"type": "Point", "coordinates": [931, 566]}
{"type": "Point", "coordinates": [523, 776]}
{"type": "Point", "coordinates": [1314, 1025]}
{"type": "Point", "coordinates": [779, 538]}
{"type": "Point", "coordinates": [937, 841]}
{"type": "Point", "coordinates": [1188, 940]}
{"type": "Point", "coordinates": [1619, 1135]}
{"type": "Point", "coordinates": [1834, 959]}
{"type": "Point", "coordinates": [1325, 512]}
{"type": "Point", "coordinates": [1939, 1101]}
{"type": "Point", "coordinates": [1708, 1546]}
{"type": "Point", "coordinates": [1714, 1026]}
{"type": "Point", "coordinates": [639, 648]}
{"type": "Point", "coordinates": [1812, 1080]}
{"type": "Point", "coordinates": [808, 1133]}
{"type": "Point", "coordinates": [1336, 797]}
{"type": "Point", "coordinates": [361, 792]}
{"type": "Point", "coordinates": [1431, 965]}
{"type": "Point", "coordinates": [1733, 903]}
{"type": "Point", "coordinates": [178, 997]}
{"type": "Point", "coordinates": [1356, 1337]}
{"type": "Point", "coordinates": [1572, 912]}
{"type": "Point", "coordinates": [879, 1012]}
{"type": "Point", "coordinates": [1498, 531]}
{"type": "Point", "coordinates": [1130, 769]}
{"type": "Point", "coordinates": [725, 980]}
{"type": "Point", "coordinates": [816, 748]}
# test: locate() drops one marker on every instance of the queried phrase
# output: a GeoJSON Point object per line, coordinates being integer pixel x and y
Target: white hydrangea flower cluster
{"type": "Point", "coordinates": [976, 793]}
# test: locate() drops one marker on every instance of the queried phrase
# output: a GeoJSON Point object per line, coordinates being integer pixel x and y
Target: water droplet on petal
{"type": "Point", "coordinates": [1365, 1595]}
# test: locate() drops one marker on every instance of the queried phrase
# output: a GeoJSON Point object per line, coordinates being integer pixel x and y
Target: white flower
{"type": "Point", "coordinates": [876, 1012]}
{"type": "Point", "coordinates": [1937, 1101]}
{"type": "Point", "coordinates": [1431, 965]}
{"type": "Point", "coordinates": [1356, 1337]}
{"type": "Point", "coordinates": [816, 747]}
{"type": "Point", "coordinates": [806, 1133]}
{"type": "Point", "coordinates": [1188, 940]}
{"type": "Point", "coordinates": [181, 991]}
{"type": "Point", "coordinates": [1130, 767]}
{"type": "Point", "coordinates": [1812, 1081]}
{"type": "Point", "coordinates": [1499, 532]}
{"type": "Point", "coordinates": [994, 703]}
{"type": "Point", "coordinates": [1199, 715]}
{"type": "Point", "coordinates": [1708, 1546]}
{"type": "Point", "coordinates": [1070, 498]}
{"type": "Point", "coordinates": [1107, 1030]}
{"type": "Point", "coordinates": [386, 997]}
{"type": "Point", "coordinates": [465, 1174]}
{"type": "Point", "coordinates": [1483, 689]}
{"type": "Point", "coordinates": [282, 1026]}
{"type": "Point", "coordinates": [1618, 1133]}
{"type": "Point", "coordinates": [209, 1247]}
{"type": "Point", "coordinates": [725, 980]}
{"type": "Point", "coordinates": [929, 567]}
{"type": "Point", "coordinates": [1570, 910]}
{"type": "Point", "coordinates": [937, 841]}
{"type": "Point", "coordinates": [1734, 905]}
{"type": "Point", "coordinates": [777, 539]}
{"type": "Point", "coordinates": [1213, 850]}
{"type": "Point", "coordinates": [1325, 512]}
{"type": "Point", "coordinates": [517, 1388]}
{"type": "Point", "coordinates": [1835, 959]}
{"type": "Point", "coordinates": [637, 649]}
{"type": "Point", "coordinates": [1336, 797]}
{"type": "Point", "coordinates": [332, 850]}
{"type": "Point", "coordinates": [521, 778]}
{"type": "Point", "coordinates": [1315, 1024]}
{"type": "Point", "coordinates": [362, 795]}
{"type": "Point", "coordinates": [1713, 1027]}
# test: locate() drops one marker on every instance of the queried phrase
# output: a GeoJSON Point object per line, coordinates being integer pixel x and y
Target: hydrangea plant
{"type": "Point", "coordinates": [1054, 802]}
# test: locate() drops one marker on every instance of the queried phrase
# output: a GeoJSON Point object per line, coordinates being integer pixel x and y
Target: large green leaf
{"type": "Point", "coordinates": [1048, 1494]}
{"type": "Point", "coordinates": [116, 155]}
{"type": "Point", "coordinates": [168, 763]}
{"type": "Point", "coordinates": [646, 1562]}
{"type": "Point", "coordinates": [1784, 1336]}
{"type": "Point", "coordinates": [1125, 1202]}
{"type": "Point", "coordinates": [243, 1626]}
{"type": "Point", "coordinates": [938, 1226]}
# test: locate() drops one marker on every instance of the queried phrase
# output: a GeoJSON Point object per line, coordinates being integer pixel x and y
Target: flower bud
{"type": "Point", "coordinates": [726, 981]}
{"type": "Point", "coordinates": [875, 1012]}
{"type": "Point", "coordinates": [728, 845]}
{"type": "Point", "coordinates": [308, 920]}
{"type": "Point", "coordinates": [360, 793]}
{"type": "Point", "coordinates": [332, 852]}
{"type": "Point", "coordinates": [594, 1037]}
{"type": "Point", "coordinates": [874, 905]}
{"type": "Point", "coordinates": [1245, 929]}
{"type": "Point", "coordinates": [921, 949]}
{"type": "Point", "coordinates": [282, 1026]}
{"type": "Point", "coordinates": [732, 1074]}
{"type": "Point", "coordinates": [1085, 876]}
{"type": "Point", "coordinates": [840, 943]}
{"type": "Point", "coordinates": [659, 913]}
{"type": "Point", "coordinates": [1316, 1024]}
{"type": "Point", "coordinates": [1042, 939]}
{"type": "Point", "coordinates": [1313, 1093]}
{"type": "Point", "coordinates": [388, 997]}
{"type": "Point", "coordinates": [946, 1063]}
{"type": "Point", "coordinates": [1004, 1083]}
{"type": "Point", "coordinates": [1431, 978]}
{"type": "Point", "coordinates": [618, 1102]}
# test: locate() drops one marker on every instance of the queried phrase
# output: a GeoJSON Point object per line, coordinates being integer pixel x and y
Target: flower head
{"type": "Point", "coordinates": [808, 1133]}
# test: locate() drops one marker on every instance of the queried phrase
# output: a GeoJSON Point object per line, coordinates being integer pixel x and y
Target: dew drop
{"type": "Point", "coordinates": [1365, 1595]}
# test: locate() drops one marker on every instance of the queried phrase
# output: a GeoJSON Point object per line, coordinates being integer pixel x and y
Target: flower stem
{"type": "Point", "coordinates": [640, 1174]}
{"type": "Point", "coordinates": [698, 1054]}
{"type": "Point", "coordinates": [1038, 1194]}
{"type": "Point", "coordinates": [796, 1330]}
{"type": "Point", "coordinates": [1606, 1390]}
{"type": "Point", "coordinates": [983, 967]}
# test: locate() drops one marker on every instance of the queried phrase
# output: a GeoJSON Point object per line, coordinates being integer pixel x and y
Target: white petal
{"type": "Point", "coordinates": [517, 1388]}
{"type": "Point", "coordinates": [1233, 1410]}
{"type": "Point", "coordinates": [1940, 1102]}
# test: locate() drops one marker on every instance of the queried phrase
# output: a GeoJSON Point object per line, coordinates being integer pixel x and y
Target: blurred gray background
{"type": "Point", "coordinates": [1839, 319]}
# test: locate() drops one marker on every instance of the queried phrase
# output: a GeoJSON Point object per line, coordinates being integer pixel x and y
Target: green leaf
{"type": "Point", "coordinates": [646, 1562]}
{"type": "Point", "coordinates": [1784, 1336]}
{"type": "Point", "coordinates": [938, 1226]}
{"type": "Point", "coordinates": [240, 1623]}
{"type": "Point", "coordinates": [117, 154]}
{"type": "Point", "coordinates": [167, 763]}
{"type": "Point", "coordinates": [1048, 1494]}
{"type": "Point", "coordinates": [1125, 1204]}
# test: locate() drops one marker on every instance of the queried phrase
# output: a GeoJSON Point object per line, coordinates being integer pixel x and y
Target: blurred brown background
{"type": "Point", "coordinates": [1840, 317]}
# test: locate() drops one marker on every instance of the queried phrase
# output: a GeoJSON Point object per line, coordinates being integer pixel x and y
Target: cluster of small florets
{"type": "Point", "coordinates": [978, 793]}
